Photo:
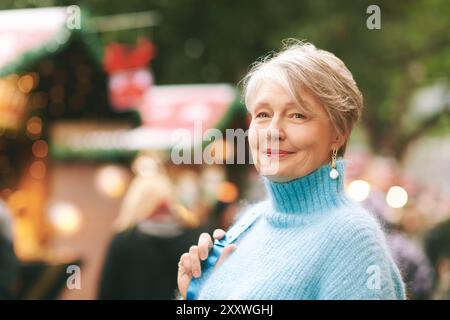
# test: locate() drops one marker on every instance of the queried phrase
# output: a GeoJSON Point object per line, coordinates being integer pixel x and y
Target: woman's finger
{"type": "Point", "coordinates": [195, 261]}
{"type": "Point", "coordinates": [225, 253]}
{"type": "Point", "coordinates": [184, 274]}
{"type": "Point", "coordinates": [204, 244]}
{"type": "Point", "coordinates": [218, 234]}
{"type": "Point", "coordinates": [185, 263]}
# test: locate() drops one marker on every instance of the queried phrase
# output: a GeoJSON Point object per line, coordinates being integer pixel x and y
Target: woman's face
{"type": "Point", "coordinates": [287, 143]}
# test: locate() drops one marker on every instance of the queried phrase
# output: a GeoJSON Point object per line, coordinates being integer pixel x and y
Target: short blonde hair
{"type": "Point", "coordinates": [300, 65]}
{"type": "Point", "coordinates": [151, 188]}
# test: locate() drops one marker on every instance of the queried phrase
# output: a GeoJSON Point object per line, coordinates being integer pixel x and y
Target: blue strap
{"type": "Point", "coordinates": [208, 265]}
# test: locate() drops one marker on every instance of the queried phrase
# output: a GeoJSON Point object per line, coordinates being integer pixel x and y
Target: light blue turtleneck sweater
{"type": "Point", "coordinates": [311, 242]}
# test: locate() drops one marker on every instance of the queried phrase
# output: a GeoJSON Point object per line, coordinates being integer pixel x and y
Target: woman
{"type": "Point", "coordinates": [152, 233]}
{"type": "Point", "coordinates": [311, 241]}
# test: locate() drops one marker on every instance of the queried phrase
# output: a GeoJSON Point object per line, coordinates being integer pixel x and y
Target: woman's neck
{"type": "Point", "coordinates": [315, 192]}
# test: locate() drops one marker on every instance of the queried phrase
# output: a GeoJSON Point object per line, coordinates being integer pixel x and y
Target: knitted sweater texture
{"type": "Point", "coordinates": [310, 242]}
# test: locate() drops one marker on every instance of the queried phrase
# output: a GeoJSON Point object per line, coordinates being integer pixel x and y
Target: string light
{"type": "Point", "coordinates": [396, 197]}
{"type": "Point", "coordinates": [25, 83]}
{"type": "Point", "coordinates": [40, 149]}
{"type": "Point", "coordinates": [34, 126]}
{"type": "Point", "coordinates": [111, 181]}
{"type": "Point", "coordinates": [358, 190]}
{"type": "Point", "coordinates": [38, 169]}
{"type": "Point", "coordinates": [65, 217]}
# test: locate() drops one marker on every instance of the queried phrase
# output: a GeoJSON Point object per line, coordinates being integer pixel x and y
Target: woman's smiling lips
{"type": "Point", "coordinates": [277, 153]}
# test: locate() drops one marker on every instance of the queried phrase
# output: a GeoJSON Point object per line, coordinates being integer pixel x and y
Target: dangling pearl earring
{"type": "Point", "coordinates": [334, 174]}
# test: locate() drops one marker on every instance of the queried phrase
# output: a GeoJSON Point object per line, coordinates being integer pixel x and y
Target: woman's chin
{"type": "Point", "coordinates": [279, 178]}
{"type": "Point", "coordinates": [275, 174]}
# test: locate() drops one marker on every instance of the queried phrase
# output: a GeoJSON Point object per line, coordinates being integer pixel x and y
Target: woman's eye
{"type": "Point", "coordinates": [298, 116]}
{"type": "Point", "coordinates": [262, 115]}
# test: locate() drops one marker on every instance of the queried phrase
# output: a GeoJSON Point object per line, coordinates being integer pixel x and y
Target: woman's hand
{"type": "Point", "coordinates": [190, 262]}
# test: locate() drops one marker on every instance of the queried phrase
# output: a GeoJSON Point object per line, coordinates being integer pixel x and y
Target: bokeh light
{"type": "Point", "coordinates": [25, 83]}
{"type": "Point", "coordinates": [34, 126]}
{"type": "Point", "coordinates": [396, 197]}
{"type": "Point", "coordinates": [111, 181]}
{"type": "Point", "coordinates": [38, 169]}
{"type": "Point", "coordinates": [227, 192]}
{"type": "Point", "coordinates": [358, 190]}
{"type": "Point", "coordinates": [65, 217]}
{"type": "Point", "coordinates": [40, 149]}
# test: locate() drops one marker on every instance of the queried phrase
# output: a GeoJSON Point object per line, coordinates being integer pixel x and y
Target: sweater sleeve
{"type": "Point", "coordinates": [359, 266]}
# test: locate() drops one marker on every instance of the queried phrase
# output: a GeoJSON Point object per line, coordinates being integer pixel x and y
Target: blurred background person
{"type": "Point", "coordinates": [437, 245]}
{"type": "Point", "coordinates": [152, 232]}
{"type": "Point", "coordinates": [408, 253]}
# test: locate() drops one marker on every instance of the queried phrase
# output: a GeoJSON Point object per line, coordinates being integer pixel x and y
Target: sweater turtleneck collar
{"type": "Point", "coordinates": [306, 196]}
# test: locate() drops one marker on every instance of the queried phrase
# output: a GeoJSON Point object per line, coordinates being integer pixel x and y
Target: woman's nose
{"type": "Point", "coordinates": [275, 130]}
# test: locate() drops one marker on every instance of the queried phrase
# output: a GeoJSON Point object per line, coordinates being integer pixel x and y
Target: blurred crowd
{"type": "Point", "coordinates": [415, 217]}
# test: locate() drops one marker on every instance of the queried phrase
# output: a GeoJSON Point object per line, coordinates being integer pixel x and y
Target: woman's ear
{"type": "Point", "coordinates": [338, 141]}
